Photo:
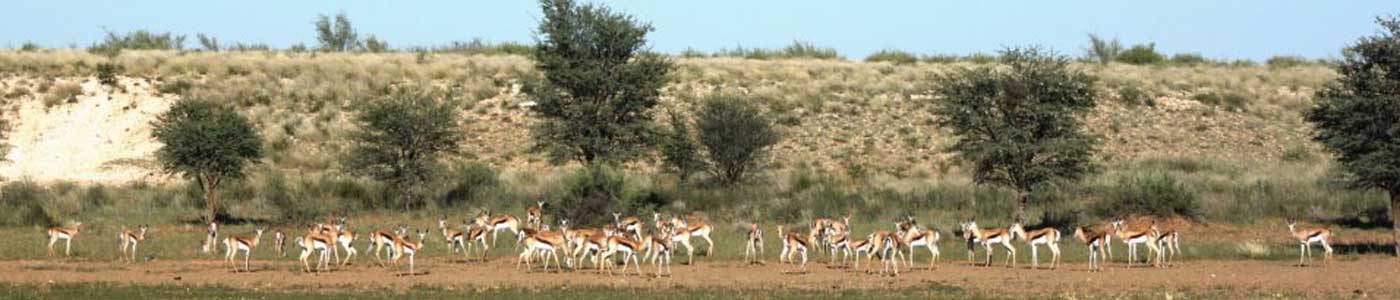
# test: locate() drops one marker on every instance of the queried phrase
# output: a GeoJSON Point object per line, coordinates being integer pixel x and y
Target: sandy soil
{"type": "Point", "coordinates": [1369, 276]}
{"type": "Point", "coordinates": [103, 137]}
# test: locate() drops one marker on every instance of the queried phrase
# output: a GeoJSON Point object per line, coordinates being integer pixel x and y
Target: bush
{"type": "Point", "coordinates": [1132, 95]}
{"type": "Point", "coordinates": [1297, 153]}
{"type": "Point", "coordinates": [736, 136]}
{"type": "Point", "coordinates": [21, 204]}
{"type": "Point", "coordinates": [680, 154]}
{"type": "Point", "coordinates": [1188, 59]}
{"type": "Point", "coordinates": [479, 46]}
{"type": "Point", "coordinates": [293, 207]}
{"type": "Point", "coordinates": [1229, 100]}
{"type": "Point", "coordinates": [590, 195]}
{"type": "Point", "coordinates": [29, 47]}
{"type": "Point", "coordinates": [175, 87]}
{"type": "Point", "coordinates": [107, 73]}
{"type": "Point", "coordinates": [1141, 54]}
{"type": "Point", "coordinates": [1156, 194]}
{"type": "Point", "coordinates": [798, 49]}
{"type": "Point", "coordinates": [1103, 51]}
{"type": "Point", "coordinates": [467, 183]}
{"type": "Point", "coordinates": [401, 140]}
{"type": "Point", "coordinates": [375, 45]}
{"type": "Point", "coordinates": [63, 93]}
{"type": "Point", "coordinates": [1283, 62]}
{"type": "Point", "coordinates": [139, 40]}
{"type": "Point", "coordinates": [339, 36]}
{"type": "Point", "coordinates": [896, 57]}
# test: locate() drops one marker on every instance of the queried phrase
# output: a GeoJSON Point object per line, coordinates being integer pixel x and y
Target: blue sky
{"type": "Point", "coordinates": [1254, 29]}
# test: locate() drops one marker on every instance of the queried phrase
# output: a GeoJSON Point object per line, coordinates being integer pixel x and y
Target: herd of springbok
{"type": "Point", "coordinates": [628, 239]}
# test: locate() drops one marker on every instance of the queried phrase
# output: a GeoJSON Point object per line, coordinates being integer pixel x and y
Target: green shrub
{"type": "Point", "coordinates": [1283, 62]}
{"type": "Point", "coordinates": [1297, 153]}
{"type": "Point", "coordinates": [736, 136]}
{"type": "Point", "coordinates": [375, 45]}
{"type": "Point", "coordinates": [680, 153]}
{"type": "Point", "coordinates": [1141, 54]}
{"type": "Point", "coordinates": [467, 183]}
{"type": "Point", "coordinates": [896, 57]}
{"type": "Point", "coordinates": [29, 47]}
{"type": "Point", "coordinates": [481, 47]}
{"type": "Point", "coordinates": [1230, 100]}
{"type": "Point", "coordinates": [798, 49]}
{"type": "Point", "coordinates": [590, 195]}
{"type": "Point", "coordinates": [1133, 96]}
{"type": "Point", "coordinates": [107, 73]}
{"type": "Point", "coordinates": [292, 206]}
{"type": "Point", "coordinates": [1154, 194]}
{"type": "Point", "coordinates": [1188, 59]}
{"type": "Point", "coordinates": [138, 40]}
{"type": "Point", "coordinates": [174, 87]}
{"type": "Point", "coordinates": [337, 36]}
{"type": "Point", "coordinates": [22, 204]}
{"type": "Point", "coordinates": [1102, 50]}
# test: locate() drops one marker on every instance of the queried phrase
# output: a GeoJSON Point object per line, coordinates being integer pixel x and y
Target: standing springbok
{"type": "Point", "coordinates": [1096, 240]}
{"type": "Point", "coordinates": [65, 234]}
{"type": "Point", "coordinates": [1050, 237]}
{"type": "Point", "coordinates": [987, 237]}
{"type": "Point", "coordinates": [129, 239]}
{"type": "Point", "coordinates": [1306, 237]}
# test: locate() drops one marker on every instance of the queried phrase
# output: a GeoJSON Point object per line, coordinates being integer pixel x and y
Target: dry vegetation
{"type": "Point", "coordinates": [858, 136]}
{"type": "Point", "coordinates": [837, 114]}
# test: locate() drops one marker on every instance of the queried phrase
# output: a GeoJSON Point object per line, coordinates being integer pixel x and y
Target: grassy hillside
{"type": "Point", "coordinates": [859, 136]}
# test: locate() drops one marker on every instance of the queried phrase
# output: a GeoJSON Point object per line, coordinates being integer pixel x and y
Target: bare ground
{"type": "Point", "coordinates": [1371, 276]}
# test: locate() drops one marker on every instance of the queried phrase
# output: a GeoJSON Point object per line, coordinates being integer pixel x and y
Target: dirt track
{"type": "Point", "coordinates": [1373, 276]}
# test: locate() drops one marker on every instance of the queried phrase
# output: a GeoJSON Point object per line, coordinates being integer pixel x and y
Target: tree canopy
{"type": "Point", "coordinates": [1019, 123]}
{"type": "Point", "coordinates": [598, 83]}
{"type": "Point", "coordinates": [207, 142]}
{"type": "Point", "coordinates": [1358, 115]}
{"type": "Point", "coordinates": [402, 139]}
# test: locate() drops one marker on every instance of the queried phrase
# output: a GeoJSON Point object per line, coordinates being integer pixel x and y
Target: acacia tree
{"type": "Point", "coordinates": [598, 82]}
{"type": "Point", "coordinates": [736, 136]}
{"type": "Point", "coordinates": [1358, 116]}
{"type": "Point", "coordinates": [402, 139]}
{"type": "Point", "coordinates": [1019, 123]}
{"type": "Point", "coordinates": [339, 36]}
{"type": "Point", "coordinates": [207, 142]}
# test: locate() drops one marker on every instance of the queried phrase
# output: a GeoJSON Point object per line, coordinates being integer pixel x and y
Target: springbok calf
{"type": "Point", "coordinates": [1169, 242]}
{"type": "Point", "coordinates": [1306, 237]}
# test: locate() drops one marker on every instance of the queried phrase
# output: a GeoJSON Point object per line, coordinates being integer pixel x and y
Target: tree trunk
{"type": "Point", "coordinates": [1395, 219]}
{"type": "Point", "coordinates": [1021, 199]}
{"type": "Point", "coordinates": [209, 202]}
